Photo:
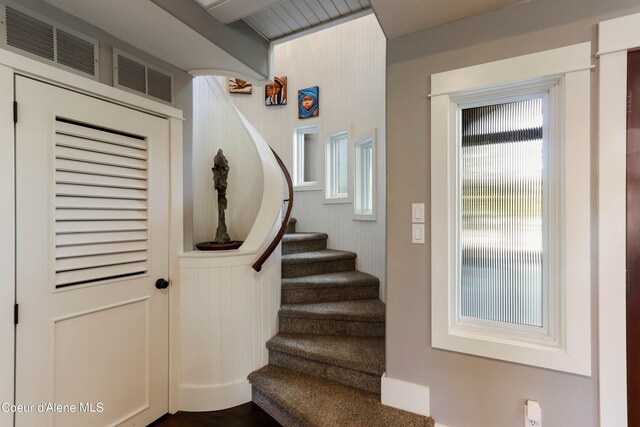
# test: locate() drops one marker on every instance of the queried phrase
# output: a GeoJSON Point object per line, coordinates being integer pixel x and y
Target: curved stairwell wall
{"type": "Point", "coordinates": [347, 62]}
{"type": "Point", "coordinates": [227, 310]}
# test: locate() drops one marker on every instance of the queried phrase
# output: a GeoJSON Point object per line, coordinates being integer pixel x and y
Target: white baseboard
{"type": "Point", "coordinates": [214, 398]}
{"type": "Point", "coordinates": [405, 395]}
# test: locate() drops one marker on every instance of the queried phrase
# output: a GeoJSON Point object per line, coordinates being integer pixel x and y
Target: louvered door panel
{"type": "Point", "coordinates": [104, 192]}
{"type": "Point", "coordinates": [88, 156]}
{"type": "Point", "coordinates": [98, 214]}
{"type": "Point", "coordinates": [101, 248]}
{"type": "Point", "coordinates": [100, 147]}
{"type": "Point", "coordinates": [96, 169]}
{"type": "Point", "coordinates": [63, 240]}
{"type": "Point", "coordinates": [97, 203]}
{"type": "Point", "coordinates": [101, 205]}
{"type": "Point", "coordinates": [99, 181]}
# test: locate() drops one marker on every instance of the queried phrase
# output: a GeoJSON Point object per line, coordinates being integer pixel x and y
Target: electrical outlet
{"type": "Point", "coordinates": [532, 414]}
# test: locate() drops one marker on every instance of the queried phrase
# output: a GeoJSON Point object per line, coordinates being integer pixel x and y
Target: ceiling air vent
{"type": "Point", "coordinates": [75, 52]}
{"type": "Point", "coordinates": [38, 37]}
{"type": "Point", "coordinates": [133, 74]}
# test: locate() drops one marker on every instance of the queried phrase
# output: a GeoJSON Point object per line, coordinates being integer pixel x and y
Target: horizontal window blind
{"type": "Point", "coordinates": [501, 235]}
{"type": "Point", "coordinates": [101, 209]}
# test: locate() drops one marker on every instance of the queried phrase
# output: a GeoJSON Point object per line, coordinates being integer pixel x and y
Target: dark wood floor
{"type": "Point", "coordinates": [247, 415]}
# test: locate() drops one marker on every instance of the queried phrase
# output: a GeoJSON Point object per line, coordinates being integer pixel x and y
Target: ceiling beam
{"type": "Point", "coordinates": [237, 39]}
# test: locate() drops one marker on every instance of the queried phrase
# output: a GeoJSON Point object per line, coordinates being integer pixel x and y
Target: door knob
{"type": "Point", "coordinates": [162, 284]}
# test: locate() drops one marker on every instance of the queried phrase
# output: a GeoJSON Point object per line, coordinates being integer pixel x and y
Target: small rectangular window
{"type": "Point", "coordinates": [337, 166]}
{"type": "Point", "coordinates": [305, 149]}
{"type": "Point", "coordinates": [364, 192]}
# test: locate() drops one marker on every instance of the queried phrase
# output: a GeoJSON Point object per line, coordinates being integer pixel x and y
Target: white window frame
{"type": "Point", "coordinates": [332, 194]}
{"type": "Point", "coordinates": [299, 184]}
{"type": "Point", "coordinates": [358, 191]}
{"type": "Point", "coordinates": [564, 341]}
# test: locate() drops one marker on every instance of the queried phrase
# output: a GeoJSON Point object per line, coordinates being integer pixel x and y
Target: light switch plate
{"type": "Point", "coordinates": [417, 234]}
{"type": "Point", "coordinates": [417, 213]}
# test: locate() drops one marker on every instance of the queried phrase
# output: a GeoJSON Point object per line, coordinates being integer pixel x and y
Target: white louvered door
{"type": "Point", "coordinates": [92, 204]}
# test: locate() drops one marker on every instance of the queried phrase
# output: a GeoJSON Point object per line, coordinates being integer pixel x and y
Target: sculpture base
{"type": "Point", "coordinates": [212, 246]}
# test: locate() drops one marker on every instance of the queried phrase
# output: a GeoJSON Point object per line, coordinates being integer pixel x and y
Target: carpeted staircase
{"type": "Point", "coordinates": [326, 363]}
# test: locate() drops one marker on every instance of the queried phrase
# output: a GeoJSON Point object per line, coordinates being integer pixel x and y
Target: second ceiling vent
{"type": "Point", "coordinates": [133, 74]}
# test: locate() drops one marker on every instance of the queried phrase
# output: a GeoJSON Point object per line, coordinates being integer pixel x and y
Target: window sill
{"type": "Point", "coordinates": [337, 200]}
{"type": "Point", "coordinates": [308, 187]}
{"type": "Point", "coordinates": [364, 217]}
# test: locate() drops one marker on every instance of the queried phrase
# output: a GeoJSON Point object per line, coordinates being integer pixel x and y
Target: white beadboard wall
{"type": "Point", "coordinates": [214, 127]}
{"type": "Point", "coordinates": [228, 313]}
{"type": "Point", "coordinates": [348, 63]}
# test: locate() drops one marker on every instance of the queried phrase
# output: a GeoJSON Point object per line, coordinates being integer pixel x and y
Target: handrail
{"type": "Point", "coordinates": [257, 266]}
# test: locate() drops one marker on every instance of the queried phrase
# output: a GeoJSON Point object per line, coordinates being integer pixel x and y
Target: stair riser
{"type": "Point", "coordinates": [309, 268]}
{"type": "Point", "coordinates": [299, 296]}
{"type": "Point", "coordinates": [331, 327]}
{"type": "Point", "coordinates": [295, 247]}
{"type": "Point", "coordinates": [362, 380]}
{"type": "Point", "coordinates": [273, 409]}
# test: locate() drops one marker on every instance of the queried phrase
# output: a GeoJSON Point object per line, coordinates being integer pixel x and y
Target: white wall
{"type": "Point", "coordinates": [466, 388]}
{"type": "Point", "coordinates": [227, 313]}
{"type": "Point", "coordinates": [215, 126]}
{"type": "Point", "coordinates": [347, 62]}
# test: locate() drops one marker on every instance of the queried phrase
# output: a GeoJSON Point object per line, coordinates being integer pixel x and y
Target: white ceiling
{"type": "Point", "coordinates": [148, 27]}
{"type": "Point", "coordinates": [278, 18]}
{"type": "Point", "coordinates": [400, 17]}
{"type": "Point", "coordinates": [292, 16]}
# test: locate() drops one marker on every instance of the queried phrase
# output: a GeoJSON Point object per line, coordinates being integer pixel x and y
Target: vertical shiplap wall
{"type": "Point", "coordinates": [216, 127]}
{"type": "Point", "coordinates": [228, 313]}
{"type": "Point", "coordinates": [347, 62]}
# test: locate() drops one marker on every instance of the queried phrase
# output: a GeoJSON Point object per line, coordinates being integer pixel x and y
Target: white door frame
{"type": "Point", "coordinates": [616, 38]}
{"type": "Point", "coordinates": [7, 245]}
{"type": "Point", "coordinates": [10, 64]}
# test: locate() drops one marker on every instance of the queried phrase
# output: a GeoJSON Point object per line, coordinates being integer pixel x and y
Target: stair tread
{"type": "Point", "coordinates": [330, 280]}
{"type": "Point", "coordinates": [364, 310]}
{"type": "Point", "coordinates": [317, 402]}
{"type": "Point", "coordinates": [301, 236]}
{"type": "Point", "coordinates": [317, 256]}
{"type": "Point", "coordinates": [357, 353]}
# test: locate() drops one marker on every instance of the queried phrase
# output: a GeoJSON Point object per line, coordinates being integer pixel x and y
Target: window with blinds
{"type": "Point", "coordinates": [100, 205]}
{"type": "Point", "coordinates": [502, 201]}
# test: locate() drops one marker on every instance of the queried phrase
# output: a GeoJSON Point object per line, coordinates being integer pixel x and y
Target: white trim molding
{"type": "Point", "coordinates": [615, 38]}
{"type": "Point", "coordinates": [300, 154]}
{"type": "Point", "coordinates": [56, 76]}
{"type": "Point", "coordinates": [356, 148]}
{"type": "Point", "coordinates": [215, 398]}
{"type": "Point", "coordinates": [7, 242]}
{"type": "Point", "coordinates": [405, 395]}
{"type": "Point", "coordinates": [563, 342]}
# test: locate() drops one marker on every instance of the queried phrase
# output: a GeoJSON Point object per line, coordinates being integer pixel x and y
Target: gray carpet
{"type": "Point", "coordinates": [326, 363]}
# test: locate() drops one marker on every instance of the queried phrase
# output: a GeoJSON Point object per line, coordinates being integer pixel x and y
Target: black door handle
{"type": "Point", "coordinates": [162, 284]}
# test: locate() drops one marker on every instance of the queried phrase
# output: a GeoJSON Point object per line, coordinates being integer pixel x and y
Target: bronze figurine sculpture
{"type": "Point", "coordinates": [220, 172]}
